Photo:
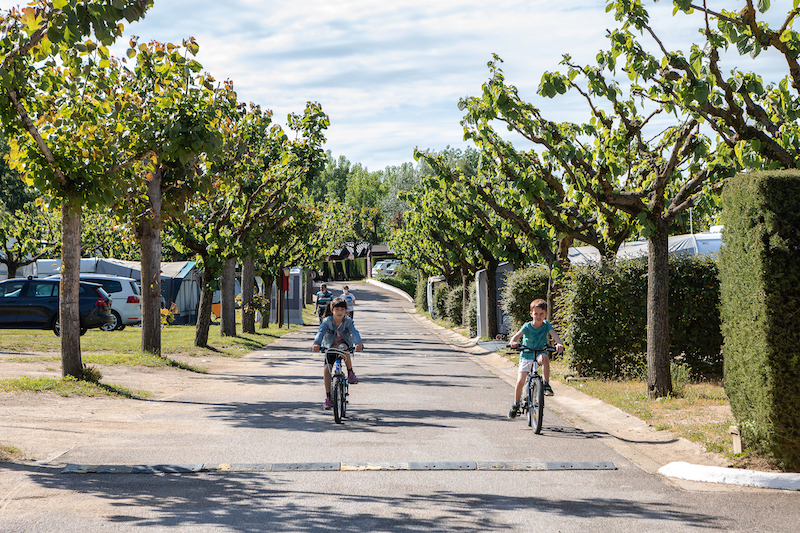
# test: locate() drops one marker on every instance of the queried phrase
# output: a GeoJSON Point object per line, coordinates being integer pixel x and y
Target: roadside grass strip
{"type": "Point", "coordinates": [223, 468]}
{"type": "Point", "coordinates": [68, 386]}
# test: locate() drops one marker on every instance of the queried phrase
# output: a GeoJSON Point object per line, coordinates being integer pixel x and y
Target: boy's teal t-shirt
{"type": "Point", "coordinates": [535, 338]}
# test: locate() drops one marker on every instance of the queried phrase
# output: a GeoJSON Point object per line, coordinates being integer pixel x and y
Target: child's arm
{"type": "Point", "coordinates": [559, 344]}
{"type": "Point", "coordinates": [514, 341]}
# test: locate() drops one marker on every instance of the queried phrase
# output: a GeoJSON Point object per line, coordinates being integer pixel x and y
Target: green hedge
{"type": "Point", "coordinates": [472, 310]}
{"type": "Point", "coordinates": [421, 294]}
{"type": "Point", "coordinates": [760, 269]}
{"type": "Point", "coordinates": [439, 301]}
{"type": "Point", "coordinates": [522, 287]}
{"type": "Point", "coordinates": [604, 313]}
{"type": "Point", "coordinates": [404, 279]}
{"type": "Point", "coordinates": [454, 305]}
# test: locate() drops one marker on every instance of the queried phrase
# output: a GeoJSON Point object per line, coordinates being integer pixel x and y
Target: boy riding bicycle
{"type": "Point", "coordinates": [534, 336]}
{"type": "Point", "coordinates": [336, 330]}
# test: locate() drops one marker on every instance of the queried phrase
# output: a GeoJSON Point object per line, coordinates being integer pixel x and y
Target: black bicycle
{"type": "Point", "coordinates": [532, 402]}
{"type": "Point", "coordinates": [339, 386]}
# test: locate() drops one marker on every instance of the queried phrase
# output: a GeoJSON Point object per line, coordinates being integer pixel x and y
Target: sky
{"type": "Point", "coordinates": [389, 74]}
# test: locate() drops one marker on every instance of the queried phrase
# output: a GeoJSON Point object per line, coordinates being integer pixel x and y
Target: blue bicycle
{"type": "Point", "coordinates": [340, 389]}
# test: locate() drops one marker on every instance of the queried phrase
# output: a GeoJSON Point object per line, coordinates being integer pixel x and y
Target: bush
{"type": "Point", "coordinates": [421, 294]}
{"type": "Point", "coordinates": [604, 312]}
{"type": "Point", "coordinates": [760, 294]}
{"type": "Point", "coordinates": [472, 310]}
{"type": "Point", "coordinates": [454, 305]}
{"type": "Point", "coordinates": [439, 300]}
{"type": "Point", "coordinates": [404, 279]}
{"type": "Point", "coordinates": [522, 287]}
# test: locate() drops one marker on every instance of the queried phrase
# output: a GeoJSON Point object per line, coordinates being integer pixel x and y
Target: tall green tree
{"type": "Point", "coordinates": [59, 108]}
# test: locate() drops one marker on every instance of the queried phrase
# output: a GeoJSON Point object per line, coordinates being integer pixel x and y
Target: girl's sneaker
{"type": "Point", "coordinates": [351, 377]}
{"type": "Point", "coordinates": [328, 405]}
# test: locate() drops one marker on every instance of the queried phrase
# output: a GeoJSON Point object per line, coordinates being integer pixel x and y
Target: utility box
{"type": "Point", "coordinates": [293, 305]}
{"type": "Point", "coordinates": [433, 282]}
{"type": "Point", "coordinates": [485, 307]}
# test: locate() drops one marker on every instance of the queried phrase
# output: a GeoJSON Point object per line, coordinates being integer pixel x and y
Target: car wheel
{"type": "Point", "coordinates": [56, 327]}
{"type": "Point", "coordinates": [114, 323]}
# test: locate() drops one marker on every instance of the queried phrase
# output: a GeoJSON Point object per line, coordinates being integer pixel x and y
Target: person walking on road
{"type": "Point", "coordinates": [348, 297]}
{"type": "Point", "coordinates": [324, 296]}
{"type": "Point", "coordinates": [337, 330]}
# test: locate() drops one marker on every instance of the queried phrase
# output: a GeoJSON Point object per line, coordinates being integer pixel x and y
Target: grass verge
{"type": "Point", "coordinates": [700, 414]}
{"type": "Point", "coordinates": [68, 386]}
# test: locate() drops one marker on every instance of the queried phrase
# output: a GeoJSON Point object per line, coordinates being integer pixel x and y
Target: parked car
{"type": "Point", "coordinates": [381, 266]}
{"type": "Point", "coordinates": [33, 304]}
{"type": "Point", "coordinates": [126, 300]}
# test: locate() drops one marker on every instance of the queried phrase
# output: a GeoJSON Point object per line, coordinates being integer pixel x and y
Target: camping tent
{"type": "Point", "coordinates": [694, 243]}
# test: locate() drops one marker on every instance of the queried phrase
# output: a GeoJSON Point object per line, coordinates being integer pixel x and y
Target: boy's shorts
{"type": "Point", "coordinates": [525, 365]}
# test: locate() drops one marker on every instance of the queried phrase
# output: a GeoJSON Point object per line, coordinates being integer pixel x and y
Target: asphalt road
{"type": "Point", "coordinates": [421, 402]}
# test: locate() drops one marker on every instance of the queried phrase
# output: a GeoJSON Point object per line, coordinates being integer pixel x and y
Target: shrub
{"type": "Point", "coordinates": [472, 310]}
{"type": "Point", "coordinates": [604, 316]}
{"type": "Point", "coordinates": [760, 295]}
{"type": "Point", "coordinates": [404, 279]}
{"type": "Point", "coordinates": [454, 305]}
{"type": "Point", "coordinates": [421, 294]}
{"type": "Point", "coordinates": [522, 287]}
{"type": "Point", "coordinates": [439, 299]}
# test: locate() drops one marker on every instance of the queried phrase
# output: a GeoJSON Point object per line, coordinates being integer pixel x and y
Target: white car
{"type": "Point", "coordinates": [380, 269]}
{"type": "Point", "coordinates": [126, 300]}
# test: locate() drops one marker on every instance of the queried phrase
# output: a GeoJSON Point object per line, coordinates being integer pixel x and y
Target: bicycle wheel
{"type": "Point", "coordinates": [537, 407]}
{"type": "Point", "coordinates": [338, 399]}
{"type": "Point", "coordinates": [529, 400]}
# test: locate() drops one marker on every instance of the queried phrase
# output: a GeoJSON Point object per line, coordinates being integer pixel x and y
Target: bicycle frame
{"type": "Point", "coordinates": [532, 403]}
{"type": "Point", "coordinates": [340, 389]}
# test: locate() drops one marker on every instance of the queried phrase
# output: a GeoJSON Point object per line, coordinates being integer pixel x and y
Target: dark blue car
{"type": "Point", "coordinates": [33, 304]}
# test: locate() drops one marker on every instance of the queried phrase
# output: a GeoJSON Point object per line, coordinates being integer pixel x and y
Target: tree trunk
{"type": "Point", "coordinates": [12, 267]}
{"type": "Point", "coordinates": [68, 306]}
{"type": "Point", "coordinates": [228, 293]}
{"type": "Point", "coordinates": [659, 382]}
{"type": "Point", "coordinates": [204, 310]}
{"type": "Point", "coordinates": [248, 284]}
{"type": "Point", "coordinates": [491, 298]}
{"type": "Point", "coordinates": [150, 240]}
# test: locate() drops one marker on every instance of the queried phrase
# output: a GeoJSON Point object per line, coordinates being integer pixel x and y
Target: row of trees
{"type": "Point", "coordinates": [664, 130]}
{"type": "Point", "coordinates": [153, 142]}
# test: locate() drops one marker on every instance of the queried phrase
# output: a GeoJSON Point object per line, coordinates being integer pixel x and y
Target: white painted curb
{"type": "Point", "coordinates": [733, 476]}
{"type": "Point", "coordinates": [391, 288]}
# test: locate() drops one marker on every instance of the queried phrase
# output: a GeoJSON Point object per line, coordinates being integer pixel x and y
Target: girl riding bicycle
{"type": "Point", "coordinates": [534, 336]}
{"type": "Point", "coordinates": [336, 330]}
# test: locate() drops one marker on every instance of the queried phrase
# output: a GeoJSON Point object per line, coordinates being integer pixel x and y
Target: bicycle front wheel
{"type": "Point", "coordinates": [529, 403]}
{"type": "Point", "coordinates": [338, 399]}
{"type": "Point", "coordinates": [537, 407]}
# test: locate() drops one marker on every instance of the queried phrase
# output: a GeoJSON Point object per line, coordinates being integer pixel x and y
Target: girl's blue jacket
{"type": "Point", "coordinates": [327, 332]}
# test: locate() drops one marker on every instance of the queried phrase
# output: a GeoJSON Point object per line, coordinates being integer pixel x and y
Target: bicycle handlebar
{"type": "Point", "coordinates": [520, 347]}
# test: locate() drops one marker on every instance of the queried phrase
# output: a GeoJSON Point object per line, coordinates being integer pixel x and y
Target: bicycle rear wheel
{"type": "Point", "coordinates": [338, 399]}
{"type": "Point", "coordinates": [537, 407]}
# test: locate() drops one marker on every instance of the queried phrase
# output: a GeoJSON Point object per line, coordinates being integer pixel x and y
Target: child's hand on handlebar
{"type": "Point", "coordinates": [359, 346]}
{"type": "Point", "coordinates": [559, 347]}
{"type": "Point", "coordinates": [513, 344]}
{"type": "Point", "coordinates": [315, 348]}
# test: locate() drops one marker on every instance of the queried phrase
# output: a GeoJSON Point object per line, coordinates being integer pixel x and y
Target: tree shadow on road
{"type": "Point", "coordinates": [282, 502]}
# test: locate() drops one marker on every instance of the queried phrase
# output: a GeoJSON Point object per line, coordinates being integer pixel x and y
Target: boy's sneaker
{"type": "Point", "coordinates": [351, 377]}
{"type": "Point", "coordinates": [328, 405]}
{"type": "Point", "coordinates": [548, 390]}
{"type": "Point", "coordinates": [514, 411]}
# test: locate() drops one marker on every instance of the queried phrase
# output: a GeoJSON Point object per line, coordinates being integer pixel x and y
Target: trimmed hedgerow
{"type": "Point", "coordinates": [439, 301]}
{"type": "Point", "coordinates": [522, 287]}
{"type": "Point", "coordinates": [454, 305]}
{"type": "Point", "coordinates": [760, 294]}
{"type": "Point", "coordinates": [604, 315]}
{"type": "Point", "coordinates": [472, 309]}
